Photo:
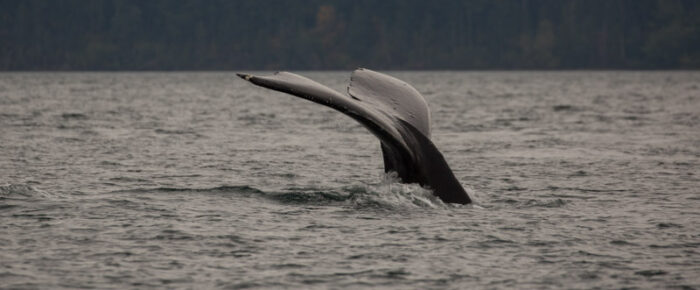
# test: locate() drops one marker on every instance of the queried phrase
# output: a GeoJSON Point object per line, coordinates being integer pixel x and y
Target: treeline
{"type": "Point", "coordinates": [316, 34]}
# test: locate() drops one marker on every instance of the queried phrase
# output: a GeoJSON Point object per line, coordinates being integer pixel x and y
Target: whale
{"type": "Point", "coordinates": [393, 111]}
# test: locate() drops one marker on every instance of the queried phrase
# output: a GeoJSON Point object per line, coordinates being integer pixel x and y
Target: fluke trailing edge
{"type": "Point", "coordinates": [394, 112]}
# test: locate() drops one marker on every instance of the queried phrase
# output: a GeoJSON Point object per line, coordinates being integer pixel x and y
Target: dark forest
{"type": "Point", "coordinates": [319, 35]}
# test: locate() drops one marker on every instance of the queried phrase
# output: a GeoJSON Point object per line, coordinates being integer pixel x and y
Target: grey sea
{"type": "Point", "coordinates": [198, 180]}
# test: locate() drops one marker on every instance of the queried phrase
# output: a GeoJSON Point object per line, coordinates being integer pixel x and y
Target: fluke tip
{"type": "Point", "coordinates": [244, 76]}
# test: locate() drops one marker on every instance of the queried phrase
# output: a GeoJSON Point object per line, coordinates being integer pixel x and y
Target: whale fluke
{"type": "Point", "coordinates": [394, 112]}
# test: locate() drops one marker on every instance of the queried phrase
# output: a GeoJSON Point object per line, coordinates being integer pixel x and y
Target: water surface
{"type": "Point", "coordinates": [201, 180]}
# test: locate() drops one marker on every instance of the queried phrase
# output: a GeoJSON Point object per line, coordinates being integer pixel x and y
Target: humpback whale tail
{"type": "Point", "coordinates": [394, 112]}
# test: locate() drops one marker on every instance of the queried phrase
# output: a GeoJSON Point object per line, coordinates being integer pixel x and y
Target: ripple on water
{"type": "Point", "coordinates": [386, 195]}
{"type": "Point", "coordinates": [24, 191]}
{"type": "Point", "coordinates": [585, 180]}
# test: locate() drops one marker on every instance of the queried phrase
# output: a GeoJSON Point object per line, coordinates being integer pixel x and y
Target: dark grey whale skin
{"type": "Point", "coordinates": [393, 111]}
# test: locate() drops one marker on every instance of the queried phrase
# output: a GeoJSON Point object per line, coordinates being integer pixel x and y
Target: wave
{"type": "Point", "coordinates": [388, 194]}
{"type": "Point", "coordinates": [223, 188]}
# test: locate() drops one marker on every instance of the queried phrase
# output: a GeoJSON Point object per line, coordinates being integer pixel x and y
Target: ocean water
{"type": "Point", "coordinates": [201, 180]}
